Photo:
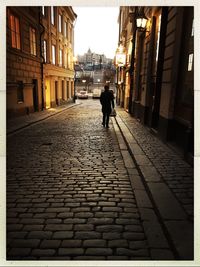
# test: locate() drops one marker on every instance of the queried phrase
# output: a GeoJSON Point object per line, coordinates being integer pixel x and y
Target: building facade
{"type": "Point", "coordinates": [40, 44]}
{"type": "Point", "coordinates": [23, 79]}
{"type": "Point", "coordinates": [58, 47]}
{"type": "Point", "coordinates": [156, 82]}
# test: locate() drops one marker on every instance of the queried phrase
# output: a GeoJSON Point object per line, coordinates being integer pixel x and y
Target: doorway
{"type": "Point", "coordinates": [63, 91]}
{"type": "Point", "coordinates": [156, 86]}
{"type": "Point", "coordinates": [56, 93]}
{"type": "Point", "coordinates": [47, 92]}
{"type": "Point", "coordinates": [35, 94]}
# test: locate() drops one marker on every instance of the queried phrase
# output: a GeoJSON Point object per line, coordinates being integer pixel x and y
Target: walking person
{"type": "Point", "coordinates": [107, 100]}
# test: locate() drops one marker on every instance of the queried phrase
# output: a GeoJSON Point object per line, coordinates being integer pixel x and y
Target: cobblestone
{"type": "Point", "coordinates": [50, 244]}
{"type": "Point", "coordinates": [118, 243]}
{"type": "Point", "coordinates": [31, 243]}
{"type": "Point", "coordinates": [70, 190]}
{"type": "Point", "coordinates": [58, 227]}
{"type": "Point", "coordinates": [111, 236]}
{"type": "Point", "coordinates": [83, 227]}
{"type": "Point", "coordinates": [87, 235]}
{"type": "Point", "coordinates": [70, 251]}
{"type": "Point", "coordinates": [71, 243]}
{"type": "Point", "coordinates": [94, 243]}
{"type": "Point", "coordinates": [19, 252]}
{"type": "Point", "coordinates": [99, 251]}
{"type": "Point", "coordinates": [43, 252]}
{"type": "Point", "coordinates": [109, 228]}
{"type": "Point", "coordinates": [62, 235]}
{"type": "Point", "coordinates": [135, 254]}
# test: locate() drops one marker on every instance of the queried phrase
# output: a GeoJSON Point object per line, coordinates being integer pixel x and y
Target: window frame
{"type": "Point", "coordinates": [44, 11]}
{"type": "Point", "coordinates": [192, 32]}
{"type": "Point", "coordinates": [53, 15]}
{"type": "Point", "coordinates": [15, 32]}
{"type": "Point", "coordinates": [190, 62]}
{"type": "Point", "coordinates": [158, 36]}
{"type": "Point", "coordinates": [33, 41]}
{"type": "Point", "coordinates": [65, 29]}
{"type": "Point", "coordinates": [60, 23]}
{"type": "Point", "coordinates": [60, 57]}
{"type": "Point", "coordinates": [45, 50]}
{"type": "Point", "coordinates": [53, 54]}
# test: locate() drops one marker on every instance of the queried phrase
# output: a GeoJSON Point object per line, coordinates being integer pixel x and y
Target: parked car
{"type": "Point", "coordinates": [82, 94]}
{"type": "Point", "coordinates": [96, 93]}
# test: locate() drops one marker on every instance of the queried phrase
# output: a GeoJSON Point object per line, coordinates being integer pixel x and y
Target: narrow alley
{"type": "Point", "coordinates": [78, 191]}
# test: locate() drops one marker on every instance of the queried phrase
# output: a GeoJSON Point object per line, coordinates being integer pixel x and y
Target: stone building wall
{"type": "Point", "coordinates": [22, 67]}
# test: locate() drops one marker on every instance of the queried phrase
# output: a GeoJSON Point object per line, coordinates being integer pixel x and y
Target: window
{"type": "Point", "coordinates": [65, 58]}
{"type": "Point", "coordinates": [72, 32]}
{"type": "Point", "coordinates": [65, 29]}
{"type": "Point", "coordinates": [190, 62]}
{"type": "Point", "coordinates": [63, 91]}
{"type": "Point", "coordinates": [67, 89]}
{"type": "Point", "coordinates": [32, 41]}
{"type": "Point", "coordinates": [60, 57]}
{"type": "Point", "coordinates": [43, 10]}
{"type": "Point", "coordinates": [45, 50]}
{"type": "Point", "coordinates": [53, 54]}
{"type": "Point", "coordinates": [60, 23]}
{"type": "Point", "coordinates": [67, 61]}
{"type": "Point", "coordinates": [20, 92]}
{"type": "Point", "coordinates": [52, 15]}
{"type": "Point", "coordinates": [69, 36]}
{"type": "Point", "coordinates": [15, 32]}
{"type": "Point", "coordinates": [158, 39]}
{"type": "Point", "coordinates": [192, 33]}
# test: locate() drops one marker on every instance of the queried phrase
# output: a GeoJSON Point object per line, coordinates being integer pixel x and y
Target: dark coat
{"type": "Point", "coordinates": [106, 99]}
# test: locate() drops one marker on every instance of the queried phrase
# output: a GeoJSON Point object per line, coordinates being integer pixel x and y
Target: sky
{"type": "Point", "coordinates": [96, 28]}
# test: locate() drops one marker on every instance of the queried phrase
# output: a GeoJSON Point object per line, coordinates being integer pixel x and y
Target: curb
{"type": "Point", "coordinates": [169, 211]}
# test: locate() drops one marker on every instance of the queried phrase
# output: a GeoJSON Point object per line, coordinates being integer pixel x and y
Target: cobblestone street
{"type": "Point", "coordinates": [76, 191]}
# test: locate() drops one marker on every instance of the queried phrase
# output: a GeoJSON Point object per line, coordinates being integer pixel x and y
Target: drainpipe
{"type": "Point", "coordinates": [131, 70]}
{"type": "Point", "coordinates": [118, 68]}
{"type": "Point", "coordinates": [42, 60]}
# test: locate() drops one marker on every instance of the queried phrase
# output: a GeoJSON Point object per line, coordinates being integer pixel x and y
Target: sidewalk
{"type": "Point", "coordinates": [21, 122]}
{"type": "Point", "coordinates": [168, 181]}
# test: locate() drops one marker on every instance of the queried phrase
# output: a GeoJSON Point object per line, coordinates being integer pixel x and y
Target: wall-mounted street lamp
{"type": "Point", "coordinates": [120, 62]}
{"type": "Point", "coordinates": [141, 21]}
{"type": "Point", "coordinates": [120, 56]}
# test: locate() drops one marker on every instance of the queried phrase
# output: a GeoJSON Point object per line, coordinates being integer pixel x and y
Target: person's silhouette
{"type": "Point", "coordinates": [106, 99]}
